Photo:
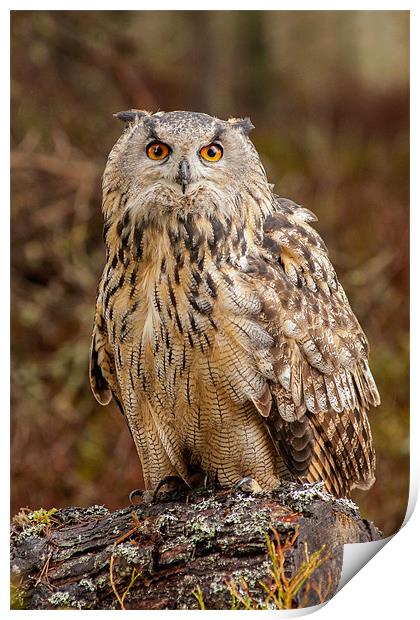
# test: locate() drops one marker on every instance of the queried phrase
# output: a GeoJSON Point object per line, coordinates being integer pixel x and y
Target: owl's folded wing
{"type": "Point", "coordinates": [323, 386]}
{"type": "Point", "coordinates": [101, 367]}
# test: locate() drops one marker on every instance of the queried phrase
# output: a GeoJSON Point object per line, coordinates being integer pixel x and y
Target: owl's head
{"type": "Point", "coordinates": [171, 161]}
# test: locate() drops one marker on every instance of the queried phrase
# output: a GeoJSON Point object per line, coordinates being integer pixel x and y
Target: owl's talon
{"type": "Point", "coordinates": [173, 480]}
{"type": "Point", "coordinates": [135, 493]}
{"type": "Point", "coordinates": [210, 483]}
{"type": "Point", "coordinates": [248, 485]}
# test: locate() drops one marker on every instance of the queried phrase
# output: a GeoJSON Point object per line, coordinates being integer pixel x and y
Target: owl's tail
{"type": "Point", "coordinates": [343, 454]}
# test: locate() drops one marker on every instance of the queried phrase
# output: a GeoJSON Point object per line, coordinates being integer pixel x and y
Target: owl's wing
{"type": "Point", "coordinates": [323, 386]}
{"type": "Point", "coordinates": [101, 367]}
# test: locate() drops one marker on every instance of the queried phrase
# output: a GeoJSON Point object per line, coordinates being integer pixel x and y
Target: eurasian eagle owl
{"type": "Point", "coordinates": [221, 329]}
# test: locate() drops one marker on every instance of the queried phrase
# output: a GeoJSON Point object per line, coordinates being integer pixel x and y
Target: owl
{"type": "Point", "coordinates": [221, 329]}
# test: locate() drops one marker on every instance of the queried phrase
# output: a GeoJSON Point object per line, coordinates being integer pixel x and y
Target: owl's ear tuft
{"type": "Point", "coordinates": [244, 124]}
{"type": "Point", "coordinates": [131, 116]}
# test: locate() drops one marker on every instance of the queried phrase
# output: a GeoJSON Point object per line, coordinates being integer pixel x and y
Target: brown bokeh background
{"type": "Point", "coordinates": [328, 93]}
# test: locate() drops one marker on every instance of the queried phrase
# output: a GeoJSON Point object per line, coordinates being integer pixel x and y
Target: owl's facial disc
{"type": "Point", "coordinates": [184, 159]}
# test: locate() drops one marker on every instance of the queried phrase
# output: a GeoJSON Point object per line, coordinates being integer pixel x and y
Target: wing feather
{"type": "Point", "coordinates": [323, 387]}
{"type": "Point", "coordinates": [101, 364]}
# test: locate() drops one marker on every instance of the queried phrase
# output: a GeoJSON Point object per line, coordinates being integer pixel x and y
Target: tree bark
{"type": "Point", "coordinates": [205, 549]}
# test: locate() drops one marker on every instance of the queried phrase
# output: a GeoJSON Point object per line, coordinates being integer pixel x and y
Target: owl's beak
{"type": "Point", "coordinates": [184, 174]}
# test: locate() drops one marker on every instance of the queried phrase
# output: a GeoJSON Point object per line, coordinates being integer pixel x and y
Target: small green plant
{"type": "Point", "coordinates": [42, 516]}
{"type": "Point", "coordinates": [28, 522]}
{"type": "Point", "coordinates": [242, 599]}
{"type": "Point", "coordinates": [198, 595]}
{"type": "Point", "coordinates": [278, 590]}
{"type": "Point", "coordinates": [135, 575]}
{"type": "Point", "coordinates": [27, 517]}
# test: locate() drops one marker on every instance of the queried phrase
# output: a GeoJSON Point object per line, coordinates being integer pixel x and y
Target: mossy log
{"type": "Point", "coordinates": [214, 550]}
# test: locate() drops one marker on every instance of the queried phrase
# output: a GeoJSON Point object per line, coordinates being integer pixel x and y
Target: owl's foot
{"type": "Point", "coordinates": [174, 483]}
{"type": "Point", "coordinates": [248, 485]}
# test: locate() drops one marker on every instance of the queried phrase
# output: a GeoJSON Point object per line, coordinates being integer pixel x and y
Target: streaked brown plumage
{"type": "Point", "coordinates": [221, 328]}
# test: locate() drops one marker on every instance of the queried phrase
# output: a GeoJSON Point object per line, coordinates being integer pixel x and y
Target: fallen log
{"type": "Point", "coordinates": [207, 549]}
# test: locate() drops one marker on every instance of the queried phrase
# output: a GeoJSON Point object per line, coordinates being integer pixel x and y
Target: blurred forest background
{"type": "Point", "coordinates": [328, 93]}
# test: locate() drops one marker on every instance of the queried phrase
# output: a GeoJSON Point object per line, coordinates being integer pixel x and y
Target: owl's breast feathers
{"type": "Point", "coordinates": [236, 316]}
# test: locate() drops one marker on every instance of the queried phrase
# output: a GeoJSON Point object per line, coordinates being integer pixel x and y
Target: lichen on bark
{"type": "Point", "coordinates": [160, 556]}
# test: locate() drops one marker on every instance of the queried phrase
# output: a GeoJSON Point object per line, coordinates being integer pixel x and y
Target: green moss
{"type": "Point", "coordinates": [42, 516]}
{"type": "Point", "coordinates": [18, 598]}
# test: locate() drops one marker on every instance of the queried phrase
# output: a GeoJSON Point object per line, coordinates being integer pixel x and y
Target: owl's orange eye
{"type": "Point", "coordinates": [212, 152]}
{"type": "Point", "coordinates": [157, 150]}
